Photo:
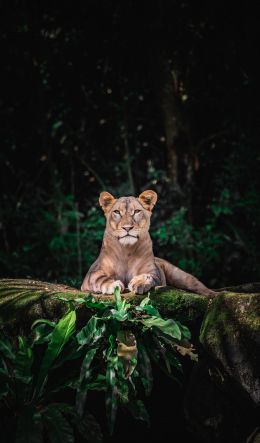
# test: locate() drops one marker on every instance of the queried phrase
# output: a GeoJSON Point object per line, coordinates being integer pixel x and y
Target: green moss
{"type": "Point", "coordinates": [230, 315]}
{"type": "Point", "coordinates": [184, 306]}
{"type": "Point", "coordinates": [246, 307]}
{"type": "Point", "coordinates": [230, 335]}
{"type": "Point", "coordinates": [23, 301]}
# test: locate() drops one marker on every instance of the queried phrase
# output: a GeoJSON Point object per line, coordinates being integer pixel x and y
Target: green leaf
{"type": "Point", "coordinates": [90, 333]}
{"type": "Point", "coordinates": [60, 336]}
{"type": "Point", "coordinates": [70, 352]}
{"type": "Point", "coordinates": [138, 410]}
{"type": "Point", "coordinates": [168, 327]}
{"type": "Point", "coordinates": [23, 359]}
{"type": "Point", "coordinates": [110, 375]}
{"type": "Point", "coordinates": [185, 332]}
{"type": "Point", "coordinates": [84, 376]}
{"type": "Point", "coordinates": [145, 368]}
{"type": "Point", "coordinates": [42, 330]}
{"type": "Point", "coordinates": [118, 315]}
{"type": "Point", "coordinates": [22, 370]}
{"type": "Point", "coordinates": [58, 427]}
{"type": "Point", "coordinates": [29, 426]}
{"type": "Point", "coordinates": [122, 384]}
{"type": "Point", "coordinates": [145, 302]}
{"type": "Point", "coordinates": [156, 351]}
{"type": "Point", "coordinates": [98, 384]}
{"type": "Point", "coordinates": [111, 397]}
{"type": "Point", "coordinates": [112, 346]}
{"type": "Point", "coordinates": [159, 353]}
{"type": "Point", "coordinates": [42, 333]}
{"type": "Point", "coordinates": [79, 300]}
{"type": "Point", "coordinates": [118, 298]}
{"type": "Point", "coordinates": [100, 331]}
{"type": "Point", "coordinates": [148, 308]}
{"type": "Point", "coordinates": [57, 124]}
{"type": "Point", "coordinates": [92, 303]}
{"type": "Point", "coordinates": [84, 371]}
{"type": "Point", "coordinates": [44, 321]}
{"type": "Point", "coordinates": [151, 310]}
{"type": "Point", "coordinates": [6, 348]}
{"type": "Point", "coordinates": [86, 334]}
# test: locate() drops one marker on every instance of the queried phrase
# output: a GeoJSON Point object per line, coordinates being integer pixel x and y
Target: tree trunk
{"type": "Point", "coordinates": [178, 140]}
{"type": "Point", "coordinates": [171, 120]}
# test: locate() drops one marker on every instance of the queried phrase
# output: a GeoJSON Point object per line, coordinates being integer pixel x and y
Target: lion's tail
{"type": "Point", "coordinates": [180, 279]}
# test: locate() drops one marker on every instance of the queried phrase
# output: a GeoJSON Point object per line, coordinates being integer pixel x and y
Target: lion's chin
{"type": "Point", "coordinates": [128, 240]}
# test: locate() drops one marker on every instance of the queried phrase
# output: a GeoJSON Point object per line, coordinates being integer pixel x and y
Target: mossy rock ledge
{"type": "Point", "coordinates": [230, 334]}
{"type": "Point", "coordinates": [222, 399]}
{"type": "Point", "coordinates": [227, 326]}
{"type": "Point", "coordinates": [22, 301]}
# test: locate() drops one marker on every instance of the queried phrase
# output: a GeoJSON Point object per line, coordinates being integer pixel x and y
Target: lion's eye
{"type": "Point", "coordinates": [137, 211]}
{"type": "Point", "coordinates": [116, 212]}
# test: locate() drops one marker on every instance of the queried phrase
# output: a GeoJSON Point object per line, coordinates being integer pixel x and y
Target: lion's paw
{"type": "Point", "coordinates": [108, 288]}
{"type": "Point", "coordinates": [141, 283]}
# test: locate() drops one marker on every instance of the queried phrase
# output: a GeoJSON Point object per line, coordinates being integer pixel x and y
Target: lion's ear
{"type": "Point", "coordinates": [106, 200]}
{"type": "Point", "coordinates": [148, 199]}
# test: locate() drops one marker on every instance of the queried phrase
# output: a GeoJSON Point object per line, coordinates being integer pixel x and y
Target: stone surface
{"type": "Point", "coordinates": [216, 408]}
{"type": "Point", "coordinates": [222, 396]}
{"type": "Point", "coordinates": [23, 301]}
{"type": "Point", "coordinates": [230, 334]}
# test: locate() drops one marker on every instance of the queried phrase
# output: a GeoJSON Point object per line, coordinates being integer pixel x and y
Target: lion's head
{"type": "Point", "coordinates": [128, 218]}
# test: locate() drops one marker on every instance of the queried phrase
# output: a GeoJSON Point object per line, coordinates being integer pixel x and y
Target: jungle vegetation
{"type": "Point", "coordinates": [127, 96]}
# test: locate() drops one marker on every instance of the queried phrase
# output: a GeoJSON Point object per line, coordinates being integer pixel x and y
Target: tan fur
{"type": "Point", "coordinates": [126, 258]}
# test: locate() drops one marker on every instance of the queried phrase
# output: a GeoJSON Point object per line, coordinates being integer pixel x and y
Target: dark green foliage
{"type": "Point", "coordinates": [82, 111]}
{"type": "Point", "coordinates": [124, 327]}
{"type": "Point", "coordinates": [70, 240]}
{"type": "Point", "coordinates": [64, 242]}
{"type": "Point", "coordinates": [26, 393]}
{"type": "Point", "coordinates": [27, 389]}
{"type": "Point", "coordinates": [223, 241]}
{"type": "Point", "coordinates": [58, 339]}
{"type": "Point", "coordinates": [112, 354]}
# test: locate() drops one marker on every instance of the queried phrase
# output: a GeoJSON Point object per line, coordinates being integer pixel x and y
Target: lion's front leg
{"type": "Point", "coordinates": [142, 283]}
{"type": "Point", "coordinates": [100, 282]}
{"type": "Point", "coordinates": [108, 287]}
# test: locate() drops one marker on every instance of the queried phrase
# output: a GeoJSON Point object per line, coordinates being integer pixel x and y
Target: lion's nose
{"type": "Point", "coordinates": [128, 227]}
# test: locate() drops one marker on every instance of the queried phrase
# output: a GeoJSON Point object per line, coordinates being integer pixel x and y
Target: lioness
{"type": "Point", "coordinates": [126, 258]}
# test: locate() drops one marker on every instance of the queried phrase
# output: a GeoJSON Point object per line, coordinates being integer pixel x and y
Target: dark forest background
{"type": "Point", "coordinates": [125, 96]}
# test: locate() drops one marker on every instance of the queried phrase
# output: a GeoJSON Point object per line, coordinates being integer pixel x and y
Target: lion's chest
{"type": "Point", "coordinates": [125, 265]}
{"type": "Point", "coordinates": [128, 268]}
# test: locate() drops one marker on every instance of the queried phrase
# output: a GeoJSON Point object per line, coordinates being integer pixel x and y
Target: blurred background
{"type": "Point", "coordinates": [125, 96]}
